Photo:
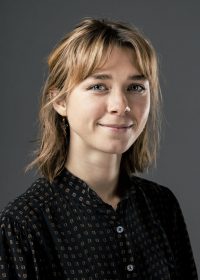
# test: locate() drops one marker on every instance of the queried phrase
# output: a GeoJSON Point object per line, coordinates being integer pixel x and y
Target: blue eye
{"type": "Point", "coordinates": [97, 87]}
{"type": "Point", "coordinates": [136, 88]}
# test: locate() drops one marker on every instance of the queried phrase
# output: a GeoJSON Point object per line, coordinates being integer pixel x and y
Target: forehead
{"type": "Point", "coordinates": [121, 60]}
{"type": "Point", "coordinates": [121, 55]}
{"type": "Point", "coordinates": [121, 63]}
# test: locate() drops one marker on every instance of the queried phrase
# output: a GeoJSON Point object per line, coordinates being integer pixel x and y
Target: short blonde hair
{"type": "Point", "coordinates": [75, 58]}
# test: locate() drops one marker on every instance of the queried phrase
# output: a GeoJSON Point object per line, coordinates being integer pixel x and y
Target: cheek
{"type": "Point", "coordinates": [145, 110]}
{"type": "Point", "coordinates": [141, 109]}
{"type": "Point", "coordinates": [84, 109]}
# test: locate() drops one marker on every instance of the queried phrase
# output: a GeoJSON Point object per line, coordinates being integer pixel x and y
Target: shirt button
{"type": "Point", "coordinates": [130, 267]}
{"type": "Point", "coordinates": [120, 229]}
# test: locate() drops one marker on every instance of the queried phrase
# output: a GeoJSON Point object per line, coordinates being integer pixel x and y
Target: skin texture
{"type": "Point", "coordinates": [106, 114]}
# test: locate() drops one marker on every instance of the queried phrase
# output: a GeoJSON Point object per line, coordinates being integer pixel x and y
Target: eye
{"type": "Point", "coordinates": [136, 88]}
{"type": "Point", "coordinates": [97, 87]}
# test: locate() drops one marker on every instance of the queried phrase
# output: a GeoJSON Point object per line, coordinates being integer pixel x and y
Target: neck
{"type": "Point", "coordinates": [99, 170]}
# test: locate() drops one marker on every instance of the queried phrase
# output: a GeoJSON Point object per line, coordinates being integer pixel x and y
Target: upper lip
{"type": "Point", "coordinates": [116, 125]}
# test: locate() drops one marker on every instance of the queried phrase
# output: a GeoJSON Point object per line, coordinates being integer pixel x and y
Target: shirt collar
{"type": "Point", "coordinates": [78, 190]}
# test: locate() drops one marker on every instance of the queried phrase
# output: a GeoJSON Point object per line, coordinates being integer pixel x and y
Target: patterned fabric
{"type": "Point", "coordinates": [65, 231]}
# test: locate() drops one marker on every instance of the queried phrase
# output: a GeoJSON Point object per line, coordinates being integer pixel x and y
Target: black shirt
{"type": "Point", "coordinates": [64, 230]}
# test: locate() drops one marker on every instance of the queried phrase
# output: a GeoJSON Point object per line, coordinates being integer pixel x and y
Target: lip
{"type": "Point", "coordinates": [117, 126]}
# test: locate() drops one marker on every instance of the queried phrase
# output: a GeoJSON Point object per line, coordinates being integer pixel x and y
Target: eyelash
{"type": "Point", "coordinates": [97, 85]}
{"type": "Point", "coordinates": [137, 88]}
{"type": "Point", "coordinates": [140, 88]}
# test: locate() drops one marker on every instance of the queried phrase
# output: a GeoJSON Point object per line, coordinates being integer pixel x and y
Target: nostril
{"type": "Point", "coordinates": [119, 109]}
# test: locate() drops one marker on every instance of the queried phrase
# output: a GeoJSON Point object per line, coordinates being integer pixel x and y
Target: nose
{"type": "Point", "coordinates": [117, 102]}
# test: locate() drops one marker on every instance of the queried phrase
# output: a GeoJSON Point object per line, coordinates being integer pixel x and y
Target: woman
{"type": "Point", "coordinates": [89, 216]}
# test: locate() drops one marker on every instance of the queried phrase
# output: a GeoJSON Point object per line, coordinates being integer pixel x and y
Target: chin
{"type": "Point", "coordinates": [115, 149]}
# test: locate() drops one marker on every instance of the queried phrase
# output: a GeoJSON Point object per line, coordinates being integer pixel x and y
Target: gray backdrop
{"type": "Point", "coordinates": [29, 29]}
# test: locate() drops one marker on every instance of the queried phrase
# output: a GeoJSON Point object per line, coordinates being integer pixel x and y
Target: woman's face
{"type": "Point", "coordinates": [96, 108]}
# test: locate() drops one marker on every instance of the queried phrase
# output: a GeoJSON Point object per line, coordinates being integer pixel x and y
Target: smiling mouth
{"type": "Point", "coordinates": [117, 127]}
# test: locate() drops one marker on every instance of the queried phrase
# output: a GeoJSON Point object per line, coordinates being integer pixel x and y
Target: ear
{"type": "Point", "coordinates": [59, 104]}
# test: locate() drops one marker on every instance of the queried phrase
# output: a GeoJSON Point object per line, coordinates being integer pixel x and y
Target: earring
{"type": "Point", "coordinates": [127, 109]}
{"type": "Point", "coordinates": [65, 125]}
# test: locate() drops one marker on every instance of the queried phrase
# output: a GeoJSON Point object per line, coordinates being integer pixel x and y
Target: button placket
{"type": "Point", "coordinates": [125, 251]}
{"type": "Point", "coordinates": [130, 267]}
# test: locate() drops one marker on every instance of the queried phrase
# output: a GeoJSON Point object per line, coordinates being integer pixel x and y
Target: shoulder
{"type": "Point", "coordinates": [159, 198]}
{"type": "Point", "coordinates": [160, 202]}
{"type": "Point", "coordinates": [151, 189]}
{"type": "Point", "coordinates": [26, 206]}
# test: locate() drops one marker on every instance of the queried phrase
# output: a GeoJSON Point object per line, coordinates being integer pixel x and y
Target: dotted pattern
{"type": "Point", "coordinates": [65, 231]}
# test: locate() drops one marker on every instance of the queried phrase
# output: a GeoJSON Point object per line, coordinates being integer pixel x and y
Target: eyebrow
{"type": "Point", "coordinates": [137, 77]}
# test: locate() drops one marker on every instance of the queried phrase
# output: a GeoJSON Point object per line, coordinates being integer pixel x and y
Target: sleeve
{"type": "Point", "coordinates": [180, 242]}
{"type": "Point", "coordinates": [16, 260]}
